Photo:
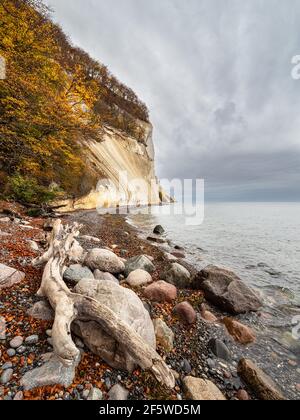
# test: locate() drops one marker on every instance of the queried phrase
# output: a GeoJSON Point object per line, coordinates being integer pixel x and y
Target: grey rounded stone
{"type": "Point", "coordinates": [11, 352]}
{"type": "Point", "coordinates": [6, 376]}
{"type": "Point", "coordinates": [33, 339]}
{"type": "Point", "coordinates": [16, 342]}
{"type": "Point", "coordinates": [177, 275]}
{"type": "Point", "coordinates": [159, 230]}
{"type": "Point", "coordinates": [219, 349]}
{"type": "Point", "coordinates": [104, 260]}
{"type": "Point", "coordinates": [118, 393]}
{"type": "Point", "coordinates": [76, 272]}
{"type": "Point", "coordinates": [21, 349]}
{"type": "Point", "coordinates": [7, 365]}
{"type": "Point", "coordinates": [141, 262]}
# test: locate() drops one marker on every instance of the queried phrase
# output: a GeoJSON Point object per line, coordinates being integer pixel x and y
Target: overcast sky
{"type": "Point", "coordinates": [216, 76]}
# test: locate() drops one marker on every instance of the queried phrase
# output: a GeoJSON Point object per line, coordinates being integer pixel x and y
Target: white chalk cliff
{"type": "Point", "coordinates": [125, 170]}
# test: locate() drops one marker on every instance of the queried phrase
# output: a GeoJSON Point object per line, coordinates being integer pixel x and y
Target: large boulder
{"type": "Point", "coordinates": [76, 272]}
{"type": "Point", "coordinates": [177, 275]}
{"type": "Point", "coordinates": [128, 307]}
{"type": "Point", "coordinates": [139, 278]}
{"type": "Point", "coordinates": [100, 275]}
{"type": "Point", "coordinates": [226, 290]}
{"type": "Point", "coordinates": [261, 384]}
{"type": "Point", "coordinates": [141, 262]}
{"type": "Point", "coordinates": [9, 276]}
{"type": "Point", "coordinates": [161, 292]}
{"type": "Point", "coordinates": [202, 390]}
{"type": "Point", "coordinates": [104, 260]}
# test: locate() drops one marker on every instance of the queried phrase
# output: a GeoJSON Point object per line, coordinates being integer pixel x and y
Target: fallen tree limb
{"type": "Point", "coordinates": [70, 306]}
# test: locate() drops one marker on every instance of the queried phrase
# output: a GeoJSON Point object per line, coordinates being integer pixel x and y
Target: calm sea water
{"type": "Point", "coordinates": [259, 241]}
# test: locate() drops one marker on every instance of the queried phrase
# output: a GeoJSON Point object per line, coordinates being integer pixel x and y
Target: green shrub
{"type": "Point", "coordinates": [27, 190]}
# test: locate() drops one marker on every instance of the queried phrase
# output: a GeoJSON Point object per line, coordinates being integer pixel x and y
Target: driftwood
{"type": "Point", "coordinates": [70, 306]}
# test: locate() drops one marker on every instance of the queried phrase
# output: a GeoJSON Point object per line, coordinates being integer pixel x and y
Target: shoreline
{"type": "Point", "coordinates": [190, 356]}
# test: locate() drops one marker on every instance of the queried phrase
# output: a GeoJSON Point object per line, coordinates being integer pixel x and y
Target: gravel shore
{"type": "Point", "coordinates": [191, 354]}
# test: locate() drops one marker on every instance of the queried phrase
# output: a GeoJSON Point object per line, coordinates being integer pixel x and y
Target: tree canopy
{"type": "Point", "coordinates": [54, 98]}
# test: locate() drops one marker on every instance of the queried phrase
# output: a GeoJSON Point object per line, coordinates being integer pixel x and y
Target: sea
{"type": "Point", "coordinates": [260, 242]}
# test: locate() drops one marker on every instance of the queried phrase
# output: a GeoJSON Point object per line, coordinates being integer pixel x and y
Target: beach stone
{"type": "Point", "coordinates": [156, 239]}
{"type": "Point", "coordinates": [207, 315]}
{"type": "Point", "coordinates": [141, 262]}
{"type": "Point", "coordinates": [118, 393]}
{"type": "Point", "coordinates": [159, 230]}
{"type": "Point", "coordinates": [11, 352]}
{"type": "Point", "coordinates": [95, 394]}
{"type": "Point", "coordinates": [202, 390]}
{"type": "Point", "coordinates": [261, 384]}
{"type": "Point", "coordinates": [177, 275]}
{"type": "Point", "coordinates": [7, 365]}
{"type": "Point", "coordinates": [219, 349]}
{"type": "Point", "coordinates": [226, 290]}
{"type": "Point", "coordinates": [179, 248]}
{"type": "Point", "coordinates": [21, 349]}
{"type": "Point", "coordinates": [240, 332]}
{"type": "Point", "coordinates": [10, 276]}
{"type": "Point", "coordinates": [186, 366]}
{"type": "Point", "coordinates": [90, 239]}
{"type": "Point", "coordinates": [77, 272]}
{"type": "Point", "coordinates": [242, 395]}
{"type": "Point", "coordinates": [164, 334]}
{"type": "Point", "coordinates": [186, 313]}
{"type": "Point", "coordinates": [128, 307]}
{"type": "Point", "coordinates": [179, 255]}
{"type": "Point", "coordinates": [32, 339]}
{"type": "Point", "coordinates": [41, 310]}
{"type": "Point", "coordinates": [6, 376]}
{"type": "Point", "coordinates": [19, 396]}
{"type": "Point", "coordinates": [104, 260]}
{"type": "Point", "coordinates": [53, 372]}
{"type": "Point", "coordinates": [161, 292]}
{"type": "Point", "coordinates": [170, 257]}
{"type": "Point", "coordinates": [139, 278]}
{"type": "Point", "coordinates": [100, 275]}
{"type": "Point", "coordinates": [16, 342]}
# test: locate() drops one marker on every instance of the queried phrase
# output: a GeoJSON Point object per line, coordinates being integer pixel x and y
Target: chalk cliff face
{"type": "Point", "coordinates": [125, 170]}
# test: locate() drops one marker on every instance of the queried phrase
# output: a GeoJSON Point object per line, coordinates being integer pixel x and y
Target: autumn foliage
{"type": "Point", "coordinates": [54, 98]}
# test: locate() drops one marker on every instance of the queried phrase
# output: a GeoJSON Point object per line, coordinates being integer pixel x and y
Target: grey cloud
{"type": "Point", "coordinates": [216, 75]}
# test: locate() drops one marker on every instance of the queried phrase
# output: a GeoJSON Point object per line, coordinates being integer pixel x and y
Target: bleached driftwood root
{"type": "Point", "coordinates": [69, 306]}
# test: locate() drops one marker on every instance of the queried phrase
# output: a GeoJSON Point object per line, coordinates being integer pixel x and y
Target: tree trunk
{"type": "Point", "coordinates": [69, 306]}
